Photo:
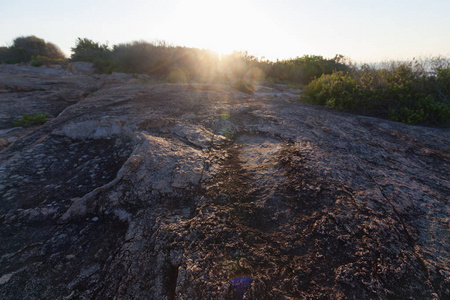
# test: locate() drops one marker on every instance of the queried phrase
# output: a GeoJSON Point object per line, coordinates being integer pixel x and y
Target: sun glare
{"type": "Point", "coordinates": [219, 26]}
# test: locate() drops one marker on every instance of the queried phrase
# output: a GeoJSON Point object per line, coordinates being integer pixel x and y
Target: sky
{"type": "Point", "coordinates": [363, 30]}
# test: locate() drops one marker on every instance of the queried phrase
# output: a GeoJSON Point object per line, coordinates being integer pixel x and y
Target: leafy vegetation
{"type": "Point", "coordinates": [89, 51]}
{"type": "Point", "coordinates": [27, 49]}
{"type": "Point", "coordinates": [198, 64]}
{"type": "Point", "coordinates": [306, 68]}
{"type": "Point", "coordinates": [412, 93]}
{"type": "Point", "coordinates": [28, 120]}
{"type": "Point", "coordinates": [39, 60]}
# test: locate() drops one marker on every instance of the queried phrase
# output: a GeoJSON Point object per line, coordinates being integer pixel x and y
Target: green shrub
{"type": "Point", "coordinates": [53, 52]}
{"type": "Point", "coordinates": [31, 44]}
{"type": "Point", "coordinates": [28, 120]}
{"type": "Point", "coordinates": [200, 65]}
{"type": "Point", "coordinates": [24, 49]}
{"type": "Point", "coordinates": [88, 50]}
{"type": "Point", "coordinates": [131, 57]}
{"type": "Point", "coordinates": [303, 70]}
{"type": "Point", "coordinates": [34, 46]}
{"type": "Point", "coordinates": [13, 55]}
{"type": "Point", "coordinates": [337, 90]}
{"type": "Point", "coordinates": [425, 110]}
{"type": "Point", "coordinates": [3, 53]}
{"type": "Point", "coordinates": [39, 60]}
{"type": "Point", "coordinates": [403, 92]}
{"type": "Point", "coordinates": [441, 84]}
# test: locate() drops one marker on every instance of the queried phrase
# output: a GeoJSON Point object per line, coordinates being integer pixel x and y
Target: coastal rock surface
{"type": "Point", "coordinates": [139, 189]}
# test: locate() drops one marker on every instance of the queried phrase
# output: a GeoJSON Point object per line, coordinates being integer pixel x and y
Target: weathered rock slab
{"type": "Point", "coordinates": [145, 190]}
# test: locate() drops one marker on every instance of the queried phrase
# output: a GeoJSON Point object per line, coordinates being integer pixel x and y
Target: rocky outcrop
{"type": "Point", "coordinates": [138, 189]}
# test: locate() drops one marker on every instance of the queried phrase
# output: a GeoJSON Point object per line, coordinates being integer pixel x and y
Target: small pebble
{"type": "Point", "coordinates": [95, 219]}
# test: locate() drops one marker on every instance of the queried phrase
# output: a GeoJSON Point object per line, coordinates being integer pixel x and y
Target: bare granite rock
{"type": "Point", "coordinates": [144, 190]}
{"type": "Point", "coordinates": [84, 68]}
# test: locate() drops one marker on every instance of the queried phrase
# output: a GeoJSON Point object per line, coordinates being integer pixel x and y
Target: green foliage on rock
{"type": "Point", "coordinates": [136, 57]}
{"type": "Point", "coordinates": [13, 55]}
{"type": "Point", "coordinates": [306, 68]}
{"type": "Point", "coordinates": [89, 51]}
{"type": "Point", "coordinates": [39, 60]}
{"type": "Point", "coordinates": [335, 90]}
{"type": "Point", "coordinates": [402, 92]}
{"type": "Point", "coordinates": [28, 120]}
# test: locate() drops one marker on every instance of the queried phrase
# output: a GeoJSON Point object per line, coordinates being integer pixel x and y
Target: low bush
{"type": "Point", "coordinates": [87, 50]}
{"type": "Point", "coordinates": [28, 120]}
{"type": "Point", "coordinates": [405, 92]}
{"type": "Point", "coordinates": [13, 55]}
{"type": "Point", "coordinates": [198, 64]}
{"type": "Point", "coordinates": [303, 70]}
{"type": "Point", "coordinates": [39, 60]}
{"type": "Point", "coordinates": [24, 49]}
{"type": "Point", "coordinates": [336, 90]}
{"type": "Point", "coordinates": [134, 57]}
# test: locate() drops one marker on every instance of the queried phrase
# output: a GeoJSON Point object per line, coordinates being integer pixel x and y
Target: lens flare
{"type": "Point", "coordinates": [225, 115]}
{"type": "Point", "coordinates": [252, 78]}
{"type": "Point", "coordinates": [241, 283]}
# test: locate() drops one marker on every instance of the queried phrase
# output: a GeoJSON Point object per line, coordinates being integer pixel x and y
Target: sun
{"type": "Point", "coordinates": [220, 26]}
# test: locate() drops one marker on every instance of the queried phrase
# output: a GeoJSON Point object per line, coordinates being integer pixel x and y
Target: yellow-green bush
{"type": "Point", "coordinates": [40, 60]}
{"type": "Point", "coordinates": [336, 90]}
{"type": "Point", "coordinates": [402, 92]}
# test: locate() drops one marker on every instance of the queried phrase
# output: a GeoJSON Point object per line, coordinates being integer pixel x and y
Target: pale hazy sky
{"type": "Point", "coordinates": [363, 30]}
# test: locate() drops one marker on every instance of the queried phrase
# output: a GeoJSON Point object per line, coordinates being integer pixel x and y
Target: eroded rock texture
{"type": "Point", "coordinates": [143, 190]}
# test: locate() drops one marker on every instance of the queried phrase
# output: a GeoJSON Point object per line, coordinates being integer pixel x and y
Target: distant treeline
{"type": "Point", "coordinates": [197, 64]}
{"type": "Point", "coordinates": [415, 92]}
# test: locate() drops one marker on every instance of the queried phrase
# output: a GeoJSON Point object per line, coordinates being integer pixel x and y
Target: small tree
{"type": "Point", "coordinates": [32, 45]}
{"type": "Point", "coordinates": [25, 49]}
{"type": "Point", "coordinates": [88, 50]}
{"type": "Point", "coordinates": [54, 52]}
